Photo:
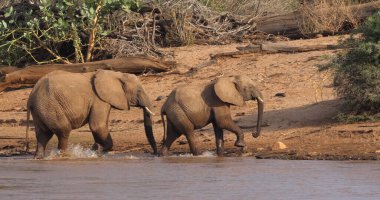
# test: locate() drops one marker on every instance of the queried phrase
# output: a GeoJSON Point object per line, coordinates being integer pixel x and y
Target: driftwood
{"type": "Point", "coordinates": [289, 24]}
{"type": "Point", "coordinates": [28, 76]}
{"type": "Point", "coordinates": [274, 48]}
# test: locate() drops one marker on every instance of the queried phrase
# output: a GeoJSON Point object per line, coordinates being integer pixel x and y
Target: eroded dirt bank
{"type": "Point", "coordinates": [299, 116]}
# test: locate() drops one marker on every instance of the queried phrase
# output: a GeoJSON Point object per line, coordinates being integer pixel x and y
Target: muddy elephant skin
{"type": "Point", "coordinates": [63, 101]}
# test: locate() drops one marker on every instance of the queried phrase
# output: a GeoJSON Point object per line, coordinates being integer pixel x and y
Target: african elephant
{"type": "Point", "coordinates": [193, 107]}
{"type": "Point", "coordinates": [62, 101]}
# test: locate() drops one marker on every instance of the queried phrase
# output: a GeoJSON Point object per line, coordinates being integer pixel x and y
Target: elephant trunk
{"type": "Point", "coordinates": [148, 129]}
{"type": "Point", "coordinates": [145, 103]}
{"type": "Point", "coordinates": [260, 105]}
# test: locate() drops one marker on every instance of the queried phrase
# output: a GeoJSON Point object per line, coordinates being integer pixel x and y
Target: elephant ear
{"type": "Point", "coordinates": [109, 88]}
{"type": "Point", "coordinates": [226, 90]}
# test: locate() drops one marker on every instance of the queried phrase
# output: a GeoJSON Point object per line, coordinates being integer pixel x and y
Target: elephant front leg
{"type": "Point", "coordinates": [219, 140]}
{"type": "Point", "coordinates": [224, 120]}
{"type": "Point", "coordinates": [239, 134]}
{"type": "Point", "coordinates": [102, 137]}
{"type": "Point", "coordinates": [98, 123]}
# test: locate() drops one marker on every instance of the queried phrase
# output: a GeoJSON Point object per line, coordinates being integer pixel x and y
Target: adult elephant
{"type": "Point", "coordinates": [63, 101]}
{"type": "Point", "coordinates": [193, 107]}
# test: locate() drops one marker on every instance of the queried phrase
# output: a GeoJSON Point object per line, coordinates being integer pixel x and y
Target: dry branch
{"type": "Point", "coordinates": [274, 48]}
{"type": "Point", "coordinates": [135, 65]}
{"type": "Point", "coordinates": [233, 54]}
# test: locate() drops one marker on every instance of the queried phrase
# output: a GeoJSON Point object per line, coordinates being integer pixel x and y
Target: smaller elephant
{"type": "Point", "coordinates": [62, 101]}
{"type": "Point", "coordinates": [194, 106]}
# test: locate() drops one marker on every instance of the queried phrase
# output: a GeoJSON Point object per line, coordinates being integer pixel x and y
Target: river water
{"type": "Point", "coordinates": [127, 176]}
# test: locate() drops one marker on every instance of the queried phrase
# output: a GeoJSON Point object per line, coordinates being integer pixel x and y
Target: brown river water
{"type": "Point", "coordinates": [131, 176]}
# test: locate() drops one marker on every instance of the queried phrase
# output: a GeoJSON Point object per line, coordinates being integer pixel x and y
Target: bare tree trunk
{"type": "Point", "coordinates": [91, 40]}
{"type": "Point", "coordinates": [28, 76]}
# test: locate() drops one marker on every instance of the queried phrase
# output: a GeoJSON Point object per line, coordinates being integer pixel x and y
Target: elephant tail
{"type": "Point", "coordinates": [27, 130]}
{"type": "Point", "coordinates": [164, 125]}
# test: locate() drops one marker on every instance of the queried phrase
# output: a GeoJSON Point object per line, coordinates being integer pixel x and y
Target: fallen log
{"type": "Point", "coordinates": [270, 48]}
{"type": "Point", "coordinates": [7, 69]}
{"type": "Point", "coordinates": [28, 76]}
{"type": "Point", "coordinates": [283, 48]}
{"type": "Point", "coordinates": [233, 54]}
{"type": "Point", "coordinates": [289, 24]}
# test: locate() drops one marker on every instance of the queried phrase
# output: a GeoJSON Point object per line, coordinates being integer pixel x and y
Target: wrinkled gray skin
{"type": "Point", "coordinates": [63, 101]}
{"type": "Point", "coordinates": [193, 107]}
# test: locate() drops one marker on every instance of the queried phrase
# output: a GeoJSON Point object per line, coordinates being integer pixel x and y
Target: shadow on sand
{"type": "Point", "coordinates": [316, 114]}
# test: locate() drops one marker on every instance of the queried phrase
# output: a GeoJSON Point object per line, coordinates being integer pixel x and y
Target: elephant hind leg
{"type": "Point", "coordinates": [43, 137]}
{"type": "Point", "coordinates": [172, 135]}
{"type": "Point", "coordinates": [192, 140]}
{"type": "Point", "coordinates": [185, 126]}
{"type": "Point", "coordinates": [219, 140]}
{"type": "Point", "coordinates": [63, 139]}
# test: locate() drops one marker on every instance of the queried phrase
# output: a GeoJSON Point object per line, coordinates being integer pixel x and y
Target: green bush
{"type": "Point", "coordinates": [350, 118]}
{"type": "Point", "coordinates": [55, 31]}
{"type": "Point", "coordinates": [357, 75]}
{"type": "Point", "coordinates": [371, 28]}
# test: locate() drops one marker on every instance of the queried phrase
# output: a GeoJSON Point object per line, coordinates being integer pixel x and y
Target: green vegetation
{"type": "Point", "coordinates": [63, 31]}
{"type": "Point", "coordinates": [357, 75]}
{"type": "Point", "coordinates": [68, 31]}
{"type": "Point", "coordinates": [351, 118]}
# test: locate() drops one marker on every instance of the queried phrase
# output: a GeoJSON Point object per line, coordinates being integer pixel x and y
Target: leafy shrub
{"type": "Point", "coordinates": [371, 28]}
{"type": "Point", "coordinates": [350, 118]}
{"type": "Point", "coordinates": [55, 31]}
{"type": "Point", "coordinates": [357, 75]}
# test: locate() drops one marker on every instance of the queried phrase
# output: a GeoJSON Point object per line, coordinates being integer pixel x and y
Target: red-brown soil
{"type": "Point", "coordinates": [302, 120]}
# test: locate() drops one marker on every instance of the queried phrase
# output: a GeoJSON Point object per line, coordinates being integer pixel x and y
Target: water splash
{"type": "Point", "coordinates": [54, 153]}
{"type": "Point", "coordinates": [74, 151]}
{"type": "Point", "coordinates": [132, 157]}
{"type": "Point", "coordinates": [77, 151]}
{"type": "Point", "coordinates": [205, 154]}
{"type": "Point", "coordinates": [185, 155]}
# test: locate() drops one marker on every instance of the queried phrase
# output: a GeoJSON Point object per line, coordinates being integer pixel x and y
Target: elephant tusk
{"type": "Point", "coordinates": [260, 99]}
{"type": "Point", "coordinates": [149, 111]}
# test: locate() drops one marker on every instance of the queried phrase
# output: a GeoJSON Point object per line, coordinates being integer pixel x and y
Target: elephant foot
{"type": "Point", "coordinates": [108, 150]}
{"type": "Point", "coordinates": [255, 134]}
{"type": "Point", "coordinates": [64, 154]}
{"type": "Point", "coordinates": [244, 149]}
{"type": "Point", "coordinates": [109, 153]}
{"type": "Point", "coordinates": [38, 156]}
{"type": "Point", "coordinates": [95, 147]}
{"type": "Point", "coordinates": [197, 153]}
{"type": "Point", "coordinates": [107, 147]}
{"type": "Point", "coordinates": [163, 152]}
{"type": "Point", "coordinates": [240, 143]}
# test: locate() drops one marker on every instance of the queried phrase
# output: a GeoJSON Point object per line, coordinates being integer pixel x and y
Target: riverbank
{"type": "Point", "coordinates": [300, 104]}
